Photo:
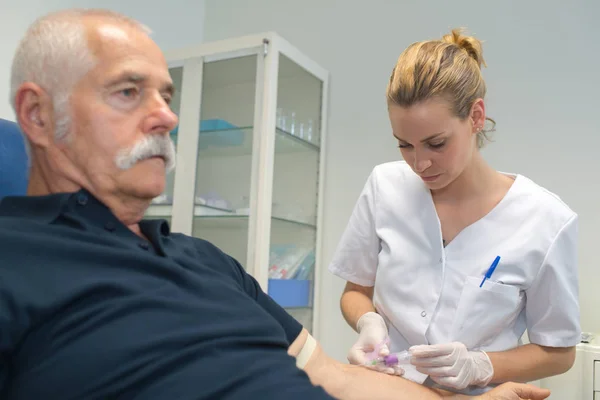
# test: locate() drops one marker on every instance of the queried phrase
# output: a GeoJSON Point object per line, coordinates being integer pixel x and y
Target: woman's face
{"type": "Point", "coordinates": [436, 144]}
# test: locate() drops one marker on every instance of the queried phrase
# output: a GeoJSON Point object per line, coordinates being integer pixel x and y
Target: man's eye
{"type": "Point", "coordinates": [129, 92]}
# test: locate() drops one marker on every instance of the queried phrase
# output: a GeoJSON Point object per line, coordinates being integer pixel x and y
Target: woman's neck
{"type": "Point", "coordinates": [478, 178]}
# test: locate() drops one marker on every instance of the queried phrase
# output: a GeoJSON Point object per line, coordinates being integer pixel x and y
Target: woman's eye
{"type": "Point", "coordinates": [437, 145]}
{"type": "Point", "coordinates": [404, 146]}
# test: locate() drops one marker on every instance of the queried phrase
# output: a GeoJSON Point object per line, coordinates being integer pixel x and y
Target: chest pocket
{"type": "Point", "coordinates": [484, 312]}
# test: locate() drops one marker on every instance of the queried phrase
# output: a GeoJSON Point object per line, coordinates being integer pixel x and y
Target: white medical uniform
{"type": "Point", "coordinates": [428, 294]}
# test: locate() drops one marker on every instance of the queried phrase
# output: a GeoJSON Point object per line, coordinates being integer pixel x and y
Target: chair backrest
{"type": "Point", "coordinates": [14, 169]}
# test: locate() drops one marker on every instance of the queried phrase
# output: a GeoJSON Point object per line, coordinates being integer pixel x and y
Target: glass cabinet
{"type": "Point", "coordinates": [249, 175]}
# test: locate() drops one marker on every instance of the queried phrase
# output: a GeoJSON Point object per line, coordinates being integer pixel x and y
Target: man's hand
{"type": "Point", "coordinates": [516, 391]}
{"type": "Point", "coordinates": [372, 343]}
{"type": "Point", "coordinates": [453, 365]}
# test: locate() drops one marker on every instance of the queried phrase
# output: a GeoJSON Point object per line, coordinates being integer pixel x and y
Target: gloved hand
{"type": "Point", "coordinates": [373, 342]}
{"type": "Point", "coordinates": [453, 365]}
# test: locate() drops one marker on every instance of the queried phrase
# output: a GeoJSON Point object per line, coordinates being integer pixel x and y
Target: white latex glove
{"type": "Point", "coordinates": [373, 342]}
{"type": "Point", "coordinates": [453, 365]}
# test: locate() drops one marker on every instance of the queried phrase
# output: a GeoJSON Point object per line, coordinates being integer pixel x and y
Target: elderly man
{"type": "Point", "coordinates": [96, 303]}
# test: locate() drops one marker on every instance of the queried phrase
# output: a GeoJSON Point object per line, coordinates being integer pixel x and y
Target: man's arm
{"type": "Point", "coordinates": [344, 381]}
{"type": "Point", "coordinates": [349, 382]}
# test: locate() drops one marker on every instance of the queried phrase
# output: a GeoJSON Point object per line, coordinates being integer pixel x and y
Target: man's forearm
{"type": "Point", "coordinates": [366, 384]}
{"type": "Point", "coordinates": [349, 382]}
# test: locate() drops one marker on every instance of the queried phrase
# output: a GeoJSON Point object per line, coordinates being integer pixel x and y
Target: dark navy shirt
{"type": "Point", "coordinates": [89, 310]}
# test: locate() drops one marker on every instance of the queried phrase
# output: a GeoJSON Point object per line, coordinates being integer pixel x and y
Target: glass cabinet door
{"type": "Point", "coordinates": [249, 154]}
{"type": "Point", "coordinates": [295, 190]}
{"type": "Point", "coordinates": [162, 206]}
{"type": "Point", "coordinates": [224, 160]}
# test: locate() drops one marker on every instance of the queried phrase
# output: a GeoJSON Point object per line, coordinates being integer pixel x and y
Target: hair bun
{"type": "Point", "coordinates": [470, 44]}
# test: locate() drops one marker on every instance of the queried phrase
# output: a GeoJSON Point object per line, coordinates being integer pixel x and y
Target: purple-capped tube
{"type": "Point", "coordinates": [391, 360]}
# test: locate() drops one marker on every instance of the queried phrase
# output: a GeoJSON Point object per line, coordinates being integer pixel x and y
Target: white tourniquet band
{"type": "Point", "coordinates": [307, 350]}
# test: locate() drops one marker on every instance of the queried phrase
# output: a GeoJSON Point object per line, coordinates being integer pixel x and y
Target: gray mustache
{"type": "Point", "coordinates": [150, 146]}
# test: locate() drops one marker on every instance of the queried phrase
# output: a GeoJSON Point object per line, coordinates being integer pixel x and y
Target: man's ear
{"type": "Point", "coordinates": [35, 114]}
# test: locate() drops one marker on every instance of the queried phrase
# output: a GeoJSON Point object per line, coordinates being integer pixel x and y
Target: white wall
{"type": "Point", "coordinates": [176, 23]}
{"type": "Point", "coordinates": [15, 17]}
{"type": "Point", "coordinates": [542, 79]}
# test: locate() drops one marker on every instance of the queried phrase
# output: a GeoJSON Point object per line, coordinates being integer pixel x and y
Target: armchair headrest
{"type": "Point", "coordinates": [14, 168]}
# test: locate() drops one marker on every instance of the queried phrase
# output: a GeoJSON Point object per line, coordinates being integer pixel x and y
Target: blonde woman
{"type": "Point", "coordinates": [445, 256]}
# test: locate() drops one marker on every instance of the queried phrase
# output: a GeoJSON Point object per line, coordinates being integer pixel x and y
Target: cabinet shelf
{"type": "Point", "coordinates": [238, 142]}
{"type": "Point", "coordinates": [207, 216]}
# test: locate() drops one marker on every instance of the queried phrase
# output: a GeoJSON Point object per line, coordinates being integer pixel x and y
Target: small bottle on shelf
{"type": "Point", "coordinates": [309, 131]}
{"type": "Point", "coordinates": [280, 121]}
{"type": "Point", "coordinates": [293, 123]}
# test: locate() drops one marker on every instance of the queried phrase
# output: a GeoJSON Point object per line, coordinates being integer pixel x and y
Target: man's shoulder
{"type": "Point", "coordinates": [207, 252]}
{"type": "Point", "coordinates": [12, 226]}
{"type": "Point", "coordinates": [197, 243]}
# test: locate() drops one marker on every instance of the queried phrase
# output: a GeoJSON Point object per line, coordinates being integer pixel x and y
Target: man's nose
{"type": "Point", "coordinates": [162, 118]}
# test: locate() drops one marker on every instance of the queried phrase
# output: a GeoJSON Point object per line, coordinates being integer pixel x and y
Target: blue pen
{"type": "Point", "coordinates": [490, 271]}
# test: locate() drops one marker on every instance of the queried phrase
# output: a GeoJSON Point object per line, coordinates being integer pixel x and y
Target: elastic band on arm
{"type": "Point", "coordinates": [307, 350]}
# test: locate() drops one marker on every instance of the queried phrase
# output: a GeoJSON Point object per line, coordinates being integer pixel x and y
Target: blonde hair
{"type": "Point", "coordinates": [449, 68]}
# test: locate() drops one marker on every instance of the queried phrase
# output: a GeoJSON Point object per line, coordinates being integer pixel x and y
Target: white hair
{"type": "Point", "coordinates": [54, 54]}
{"type": "Point", "coordinates": [150, 146]}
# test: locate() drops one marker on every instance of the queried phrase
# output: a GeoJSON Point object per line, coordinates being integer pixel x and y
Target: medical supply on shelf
{"type": "Point", "coordinates": [290, 261]}
{"type": "Point", "coordinates": [587, 337]}
{"type": "Point", "coordinates": [281, 119]}
{"type": "Point", "coordinates": [293, 123]}
{"type": "Point", "coordinates": [309, 131]}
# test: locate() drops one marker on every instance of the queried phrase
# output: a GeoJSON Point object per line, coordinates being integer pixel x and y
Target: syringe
{"type": "Point", "coordinates": [391, 360]}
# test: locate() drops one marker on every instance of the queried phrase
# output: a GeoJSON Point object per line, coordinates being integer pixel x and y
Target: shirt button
{"type": "Point", "coordinates": [144, 246]}
{"type": "Point", "coordinates": [82, 199]}
{"type": "Point", "coordinates": [423, 314]}
{"type": "Point", "coordinates": [110, 226]}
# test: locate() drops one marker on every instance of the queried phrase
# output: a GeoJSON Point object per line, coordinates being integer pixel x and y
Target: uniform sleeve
{"type": "Point", "coordinates": [289, 324]}
{"type": "Point", "coordinates": [356, 256]}
{"type": "Point", "coordinates": [552, 308]}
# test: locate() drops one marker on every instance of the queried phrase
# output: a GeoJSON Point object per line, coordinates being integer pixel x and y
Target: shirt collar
{"type": "Point", "coordinates": [42, 208]}
{"type": "Point", "coordinates": [48, 208]}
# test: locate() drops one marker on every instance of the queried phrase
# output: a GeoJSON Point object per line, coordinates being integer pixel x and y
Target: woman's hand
{"type": "Point", "coordinates": [373, 338]}
{"type": "Point", "coordinates": [453, 365]}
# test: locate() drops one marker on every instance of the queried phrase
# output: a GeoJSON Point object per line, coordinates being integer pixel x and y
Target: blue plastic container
{"type": "Point", "coordinates": [290, 292]}
{"type": "Point", "coordinates": [215, 124]}
{"type": "Point", "coordinates": [216, 133]}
